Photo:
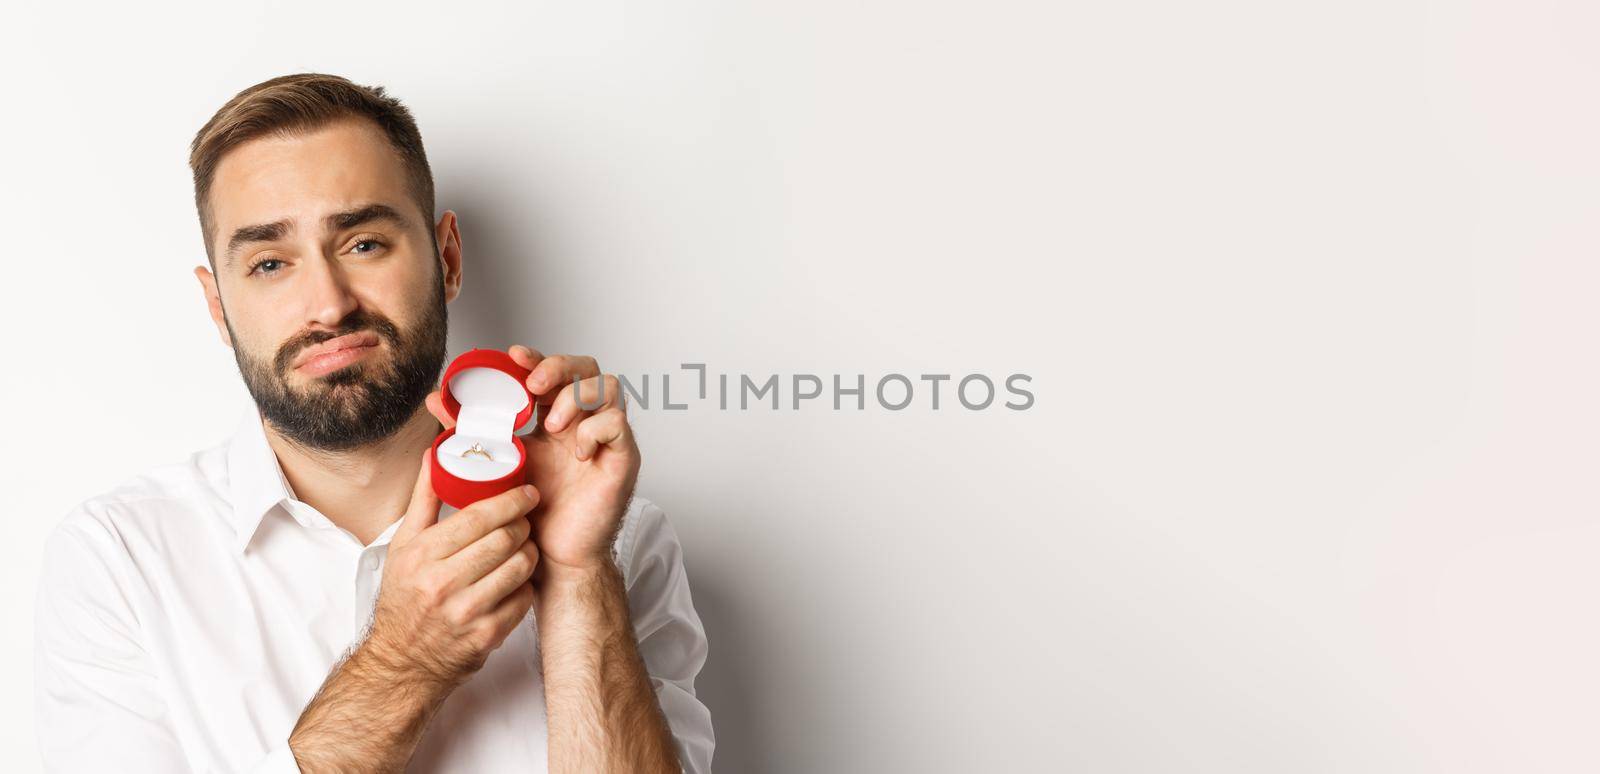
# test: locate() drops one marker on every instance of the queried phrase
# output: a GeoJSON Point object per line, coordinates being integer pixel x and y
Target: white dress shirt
{"type": "Point", "coordinates": [186, 617]}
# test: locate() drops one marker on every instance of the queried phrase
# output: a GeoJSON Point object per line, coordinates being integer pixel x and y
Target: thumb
{"type": "Point", "coordinates": [435, 404]}
{"type": "Point", "coordinates": [423, 511]}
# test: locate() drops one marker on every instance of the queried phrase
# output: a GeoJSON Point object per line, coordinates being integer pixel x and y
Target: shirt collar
{"type": "Point", "coordinates": [255, 478]}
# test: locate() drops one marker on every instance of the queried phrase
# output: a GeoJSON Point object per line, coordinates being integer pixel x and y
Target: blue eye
{"type": "Point", "coordinates": [264, 262]}
{"type": "Point", "coordinates": [367, 242]}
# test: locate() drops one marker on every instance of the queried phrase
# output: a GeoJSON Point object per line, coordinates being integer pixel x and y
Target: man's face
{"type": "Point", "coordinates": [329, 282]}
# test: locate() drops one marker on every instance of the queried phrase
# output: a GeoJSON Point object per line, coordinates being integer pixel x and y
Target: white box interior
{"type": "Point", "coordinates": [490, 401]}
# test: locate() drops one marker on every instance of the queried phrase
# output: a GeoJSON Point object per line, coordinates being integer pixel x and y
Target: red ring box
{"type": "Point", "coordinates": [486, 393]}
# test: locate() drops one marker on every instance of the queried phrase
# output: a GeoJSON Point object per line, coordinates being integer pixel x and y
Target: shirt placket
{"type": "Point", "coordinates": [368, 563]}
{"type": "Point", "coordinates": [369, 575]}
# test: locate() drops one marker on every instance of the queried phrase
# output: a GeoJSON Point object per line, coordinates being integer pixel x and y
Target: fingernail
{"type": "Point", "coordinates": [527, 489]}
{"type": "Point", "coordinates": [540, 381]}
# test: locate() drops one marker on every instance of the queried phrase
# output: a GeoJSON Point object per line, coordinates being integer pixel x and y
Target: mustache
{"type": "Point", "coordinates": [352, 323]}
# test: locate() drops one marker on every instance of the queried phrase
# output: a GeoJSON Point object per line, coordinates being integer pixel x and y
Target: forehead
{"type": "Point", "coordinates": [305, 175]}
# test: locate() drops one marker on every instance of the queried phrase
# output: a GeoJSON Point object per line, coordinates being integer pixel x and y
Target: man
{"type": "Point", "coordinates": [293, 599]}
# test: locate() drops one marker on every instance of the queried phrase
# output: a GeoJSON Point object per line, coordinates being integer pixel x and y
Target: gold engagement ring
{"type": "Point", "coordinates": [478, 449]}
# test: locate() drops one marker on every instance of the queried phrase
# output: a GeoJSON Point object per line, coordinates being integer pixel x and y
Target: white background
{"type": "Point", "coordinates": [1306, 289]}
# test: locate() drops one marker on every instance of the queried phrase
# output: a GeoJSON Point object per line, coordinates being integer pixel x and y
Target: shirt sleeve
{"type": "Point", "coordinates": [672, 641]}
{"type": "Point", "coordinates": [98, 703]}
{"type": "Point", "coordinates": [98, 706]}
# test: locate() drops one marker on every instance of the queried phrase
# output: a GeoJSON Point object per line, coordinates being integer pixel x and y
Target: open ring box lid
{"type": "Point", "coordinates": [486, 393]}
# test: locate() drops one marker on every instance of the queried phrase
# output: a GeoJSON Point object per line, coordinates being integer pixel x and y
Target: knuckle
{"type": "Point", "coordinates": [461, 618]}
{"type": "Point", "coordinates": [475, 519]}
{"type": "Point", "coordinates": [502, 540]}
{"type": "Point", "coordinates": [522, 563]}
{"type": "Point", "coordinates": [499, 508]}
{"type": "Point", "coordinates": [482, 635]}
{"type": "Point", "coordinates": [433, 589]}
{"type": "Point", "coordinates": [510, 507]}
{"type": "Point", "coordinates": [403, 560]}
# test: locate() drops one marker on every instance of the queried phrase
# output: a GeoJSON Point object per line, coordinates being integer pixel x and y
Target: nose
{"type": "Point", "coordinates": [327, 292]}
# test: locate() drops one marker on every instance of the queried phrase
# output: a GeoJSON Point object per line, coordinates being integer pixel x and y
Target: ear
{"type": "Point", "coordinates": [208, 286]}
{"type": "Point", "coordinates": [448, 232]}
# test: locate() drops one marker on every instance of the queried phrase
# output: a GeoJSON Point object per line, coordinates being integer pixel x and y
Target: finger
{"type": "Point", "coordinates": [481, 518]}
{"type": "Point", "coordinates": [557, 370]}
{"type": "Point", "coordinates": [511, 610]}
{"type": "Point", "coordinates": [423, 510]}
{"type": "Point", "coordinates": [608, 428]}
{"type": "Point", "coordinates": [527, 357]}
{"type": "Point", "coordinates": [605, 390]}
{"type": "Point", "coordinates": [515, 570]}
{"type": "Point", "coordinates": [486, 553]}
{"type": "Point", "coordinates": [435, 401]}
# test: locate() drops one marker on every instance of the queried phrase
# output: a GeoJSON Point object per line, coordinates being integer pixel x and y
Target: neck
{"type": "Point", "coordinates": [364, 490]}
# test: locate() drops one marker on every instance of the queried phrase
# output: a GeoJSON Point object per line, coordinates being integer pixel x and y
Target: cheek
{"type": "Point", "coordinates": [402, 299]}
{"type": "Point", "coordinates": [259, 329]}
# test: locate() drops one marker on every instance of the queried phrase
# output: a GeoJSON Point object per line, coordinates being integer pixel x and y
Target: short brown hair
{"type": "Point", "coordinates": [297, 103]}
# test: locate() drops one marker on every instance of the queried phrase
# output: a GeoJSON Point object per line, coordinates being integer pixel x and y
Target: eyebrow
{"type": "Point", "coordinates": [338, 221]}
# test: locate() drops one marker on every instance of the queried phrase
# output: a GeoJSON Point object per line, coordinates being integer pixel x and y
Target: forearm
{"type": "Point", "coordinates": [602, 711]}
{"type": "Point", "coordinates": [367, 717]}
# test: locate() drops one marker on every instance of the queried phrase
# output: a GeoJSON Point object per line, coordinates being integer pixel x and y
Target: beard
{"type": "Point", "coordinates": [363, 402]}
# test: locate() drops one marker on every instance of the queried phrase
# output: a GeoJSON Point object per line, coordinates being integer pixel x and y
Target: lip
{"type": "Point", "coordinates": [358, 341]}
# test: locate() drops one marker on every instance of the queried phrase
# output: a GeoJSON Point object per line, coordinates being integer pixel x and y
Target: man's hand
{"type": "Point", "coordinates": [584, 462]}
{"type": "Point", "coordinates": [451, 593]}
{"type": "Point", "coordinates": [601, 710]}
